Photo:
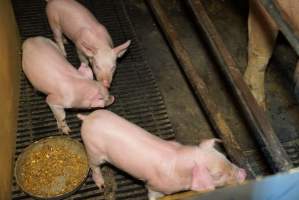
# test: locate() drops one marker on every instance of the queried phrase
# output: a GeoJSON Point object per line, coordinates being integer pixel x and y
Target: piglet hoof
{"type": "Point", "coordinates": [62, 50]}
{"type": "Point", "coordinates": [64, 53]}
{"type": "Point", "coordinates": [64, 40]}
{"type": "Point", "coordinates": [64, 127]}
{"type": "Point", "coordinates": [98, 178]}
{"type": "Point", "coordinates": [101, 186]}
{"type": "Point", "coordinates": [66, 130]}
{"type": "Point", "coordinates": [153, 195]}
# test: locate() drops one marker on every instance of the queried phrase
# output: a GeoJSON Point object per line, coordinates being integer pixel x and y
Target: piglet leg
{"type": "Point", "coordinates": [64, 40]}
{"type": "Point", "coordinates": [97, 176]}
{"type": "Point", "coordinates": [82, 57]}
{"type": "Point", "coordinates": [262, 33]}
{"type": "Point", "coordinates": [153, 195]}
{"type": "Point", "coordinates": [59, 113]}
{"type": "Point", "coordinates": [59, 38]}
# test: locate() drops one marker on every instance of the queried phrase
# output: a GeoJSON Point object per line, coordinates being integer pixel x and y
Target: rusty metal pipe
{"type": "Point", "coordinates": [231, 145]}
{"type": "Point", "coordinates": [256, 117]}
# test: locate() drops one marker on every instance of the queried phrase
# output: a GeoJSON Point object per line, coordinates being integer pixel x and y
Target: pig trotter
{"type": "Point", "coordinates": [62, 125]}
{"type": "Point", "coordinates": [153, 195]}
{"type": "Point", "coordinates": [82, 57]}
{"type": "Point", "coordinates": [64, 40]}
{"type": "Point", "coordinates": [97, 177]}
{"type": "Point", "coordinates": [61, 46]}
{"type": "Point", "coordinates": [59, 40]}
{"type": "Point", "coordinates": [59, 114]}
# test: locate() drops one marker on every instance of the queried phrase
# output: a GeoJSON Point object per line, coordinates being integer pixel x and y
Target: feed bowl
{"type": "Point", "coordinates": [52, 168]}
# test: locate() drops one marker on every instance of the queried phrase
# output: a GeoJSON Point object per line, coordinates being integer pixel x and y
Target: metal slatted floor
{"type": "Point", "coordinates": [137, 96]}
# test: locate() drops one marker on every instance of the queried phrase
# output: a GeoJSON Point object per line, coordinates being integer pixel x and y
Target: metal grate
{"type": "Point", "coordinates": [137, 96]}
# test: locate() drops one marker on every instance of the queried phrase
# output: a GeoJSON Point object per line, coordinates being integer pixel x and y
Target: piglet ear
{"type": "Point", "coordinates": [121, 49]}
{"type": "Point", "coordinates": [209, 143]}
{"type": "Point", "coordinates": [201, 179]}
{"type": "Point", "coordinates": [85, 71]}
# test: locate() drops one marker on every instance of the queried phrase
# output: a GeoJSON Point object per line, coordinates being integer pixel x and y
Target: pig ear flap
{"type": "Point", "coordinates": [201, 178]}
{"type": "Point", "coordinates": [209, 143]}
{"type": "Point", "coordinates": [121, 49]}
{"type": "Point", "coordinates": [85, 71]}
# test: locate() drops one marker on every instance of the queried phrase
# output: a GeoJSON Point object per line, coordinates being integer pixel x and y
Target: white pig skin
{"type": "Point", "coordinates": [165, 166]}
{"type": "Point", "coordinates": [91, 38]}
{"type": "Point", "coordinates": [66, 87]}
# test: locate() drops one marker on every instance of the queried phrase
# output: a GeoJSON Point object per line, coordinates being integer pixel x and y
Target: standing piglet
{"type": "Point", "coordinates": [166, 166]}
{"type": "Point", "coordinates": [66, 87]}
{"type": "Point", "coordinates": [91, 38]}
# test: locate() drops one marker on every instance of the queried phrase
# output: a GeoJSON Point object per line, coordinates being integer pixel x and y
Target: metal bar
{"type": "Point", "coordinates": [193, 194]}
{"type": "Point", "coordinates": [201, 91]}
{"type": "Point", "coordinates": [284, 25]}
{"type": "Point", "coordinates": [256, 117]}
{"type": "Point", "coordinates": [184, 195]}
{"type": "Point", "coordinates": [285, 184]}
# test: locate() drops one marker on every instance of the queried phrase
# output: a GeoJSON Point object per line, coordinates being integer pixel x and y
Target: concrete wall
{"type": "Point", "coordinates": [9, 91]}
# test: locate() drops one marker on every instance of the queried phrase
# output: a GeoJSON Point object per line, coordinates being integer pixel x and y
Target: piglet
{"type": "Point", "coordinates": [166, 166]}
{"type": "Point", "coordinates": [91, 38]}
{"type": "Point", "coordinates": [49, 72]}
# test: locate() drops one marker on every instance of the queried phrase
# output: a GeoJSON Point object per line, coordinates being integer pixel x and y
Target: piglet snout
{"type": "Point", "coordinates": [241, 175]}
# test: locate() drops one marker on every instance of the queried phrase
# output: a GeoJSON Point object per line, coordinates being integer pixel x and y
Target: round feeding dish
{"type": "Point", "coordinates": [52, 168]}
